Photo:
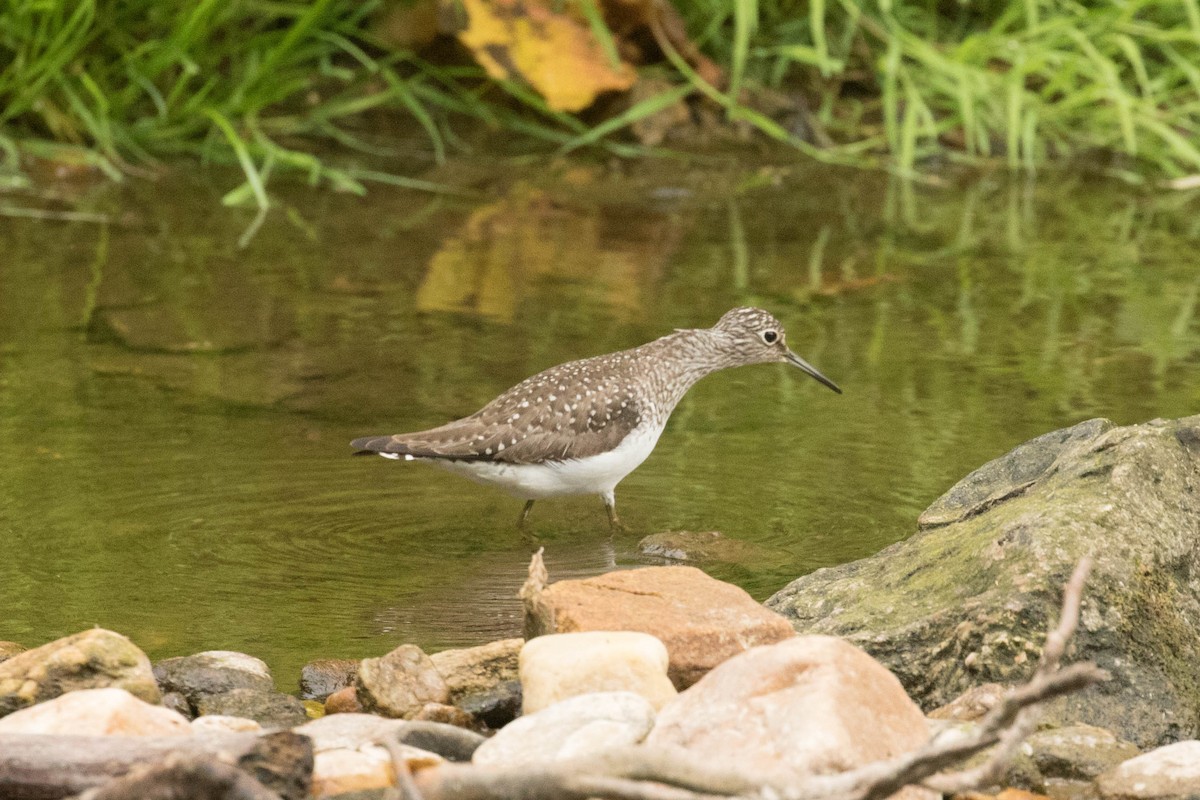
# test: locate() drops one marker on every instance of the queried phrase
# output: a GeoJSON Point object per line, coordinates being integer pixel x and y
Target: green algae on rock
{"type": "Point", "coordinates": [968, 599]}
{"type": "Point", "coordinates": [92, 659]}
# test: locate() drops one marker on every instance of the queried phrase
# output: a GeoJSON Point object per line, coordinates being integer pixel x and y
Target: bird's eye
{"type": "Point", "coordinates": [770, 336]}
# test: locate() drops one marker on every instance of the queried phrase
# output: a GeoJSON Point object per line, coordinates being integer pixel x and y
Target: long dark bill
{"type": "Point", "coordinates": [797, 361]}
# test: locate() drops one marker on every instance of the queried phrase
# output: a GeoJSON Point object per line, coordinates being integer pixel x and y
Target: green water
{"type": "Point", "coordinates": [175, 411]}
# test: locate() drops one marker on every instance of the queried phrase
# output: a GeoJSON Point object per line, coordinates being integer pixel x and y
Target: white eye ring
{"type": "Point", "coordinates": [770, 337]}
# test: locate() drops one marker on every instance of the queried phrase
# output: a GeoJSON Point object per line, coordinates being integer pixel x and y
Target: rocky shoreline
{"type": "Point", "coordinates": [842, 668]}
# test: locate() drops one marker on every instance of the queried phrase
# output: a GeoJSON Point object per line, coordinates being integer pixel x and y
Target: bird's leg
{"type": "Point", "coordinates": [610, 505]}
{"type": "Point", "coordinates": [524, 515]}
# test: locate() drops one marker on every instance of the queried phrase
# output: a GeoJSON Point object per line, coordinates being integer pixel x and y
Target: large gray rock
{"type": "Point", "coordinates": [93, 659]}
{"type": "Point", "coordinates": [968, 598]}
{"type": "Point", "coordinates": [211, 673]}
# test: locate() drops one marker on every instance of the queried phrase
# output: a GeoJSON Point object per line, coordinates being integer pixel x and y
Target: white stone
{"type": "Point", "coordinates": [224, 722]}
{"type": "Point", "coordinates": [1171, 771]}
{"type": "Point", "coordinates": [561, 665]}
{"type": "Point", "coordinates": [579, 726]}
{"type": "Point", "coordinates": [96, 712]}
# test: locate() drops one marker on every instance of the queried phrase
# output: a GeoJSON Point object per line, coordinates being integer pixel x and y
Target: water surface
{"type": "Point", "coordinates": [175, 411]}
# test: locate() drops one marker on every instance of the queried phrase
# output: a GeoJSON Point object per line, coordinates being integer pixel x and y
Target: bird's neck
{"type": "Point", "coordinates": [682, 358]}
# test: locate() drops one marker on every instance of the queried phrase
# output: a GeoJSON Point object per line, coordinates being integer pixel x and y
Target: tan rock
{"type": "Point", "coordinates": [472, 670]}
{"type": "Point", "coordinates": [343, 701]}
{"type": "Point", "coordinates": [702, 621]}
{"type": "Point", "coordinates": [399, 683]}
{"type": "Point", "coordinates": [96, 712]}
{"type": "Point", "coordinates": [1167, 772]}
{"type": "Point", "coordinates": [222, 722]}
{"type": "Point", "coordinates": [447, 715]}
{"type": "Point", "coordinates": [971, 704]}
{"type": "Point", "coordinates": [810, 705]}
{"type": "Point", "coordinates": [10, 649]}
{"type": "Point", "coordinates": [562, 665]}
{"type": "Point", "coordinates": [92, 659]}
{"type": "Point", "coordinates": [345, 770]}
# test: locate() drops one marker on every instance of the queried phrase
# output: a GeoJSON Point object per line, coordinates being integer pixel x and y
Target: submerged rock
{"type": "Point", "coordinates": [970, 597]}
{"type": "Point", "coordinates": [400, 683]}
{"type": "Point", "coordinates": [92, 659]}
{"type": "Point", "coordinates": [807, 706]}
{"type": "Point", "coordinates": [701, 620]}
{"type": "Point", "coordinates": [700, 546]}
{"type": "Point", "coordinates": [96, 712]}
{"type": "Point", "coordinates": [562, 665]}
{"type": "Point", "coordinates": [580, 726]}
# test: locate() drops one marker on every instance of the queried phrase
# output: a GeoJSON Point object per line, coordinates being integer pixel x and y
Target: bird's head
{"type": "Point", "coordinates": [754, 336]}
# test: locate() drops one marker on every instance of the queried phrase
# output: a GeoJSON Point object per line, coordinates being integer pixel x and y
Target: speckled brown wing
{"type": "Point", "coordinates": [574, 410]}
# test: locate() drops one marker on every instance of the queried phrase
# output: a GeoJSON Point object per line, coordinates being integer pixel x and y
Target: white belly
{"type": "Point", "coordinates": [592, 475]}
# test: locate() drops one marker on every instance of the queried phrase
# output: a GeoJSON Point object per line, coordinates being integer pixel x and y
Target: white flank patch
{"type": "Point", "coordinates": [597, 474]}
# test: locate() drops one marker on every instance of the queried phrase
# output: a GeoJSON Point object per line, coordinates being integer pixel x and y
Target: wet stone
{"type": "Point", "coordinates": [699, 547]}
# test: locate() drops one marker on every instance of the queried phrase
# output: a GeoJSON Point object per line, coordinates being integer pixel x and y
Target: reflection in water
{"type": "Point", "coordinates": [174, 412]}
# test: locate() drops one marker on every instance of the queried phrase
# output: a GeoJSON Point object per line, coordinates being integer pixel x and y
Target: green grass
{"type": "Point", "coordinates": [275, 86]}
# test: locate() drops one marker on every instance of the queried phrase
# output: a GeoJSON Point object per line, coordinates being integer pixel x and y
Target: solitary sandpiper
{"type": "Point", "coordinates": [580, 427]}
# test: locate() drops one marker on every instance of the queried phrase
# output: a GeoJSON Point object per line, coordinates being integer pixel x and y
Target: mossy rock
{"type": "Point", "coordinates": [968, 599]}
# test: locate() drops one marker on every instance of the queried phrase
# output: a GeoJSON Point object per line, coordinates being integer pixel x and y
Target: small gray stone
{"type": "Point", "coordinates": [323, 677]}
{"type": "Point", "coordinates": [211, 673]}
{"type": "Point", "coordinates": [583, 725]}
{"type": "Point", "coordinates": [400, 683]}
{"type": "Point", "coordinates": [269, 709]}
